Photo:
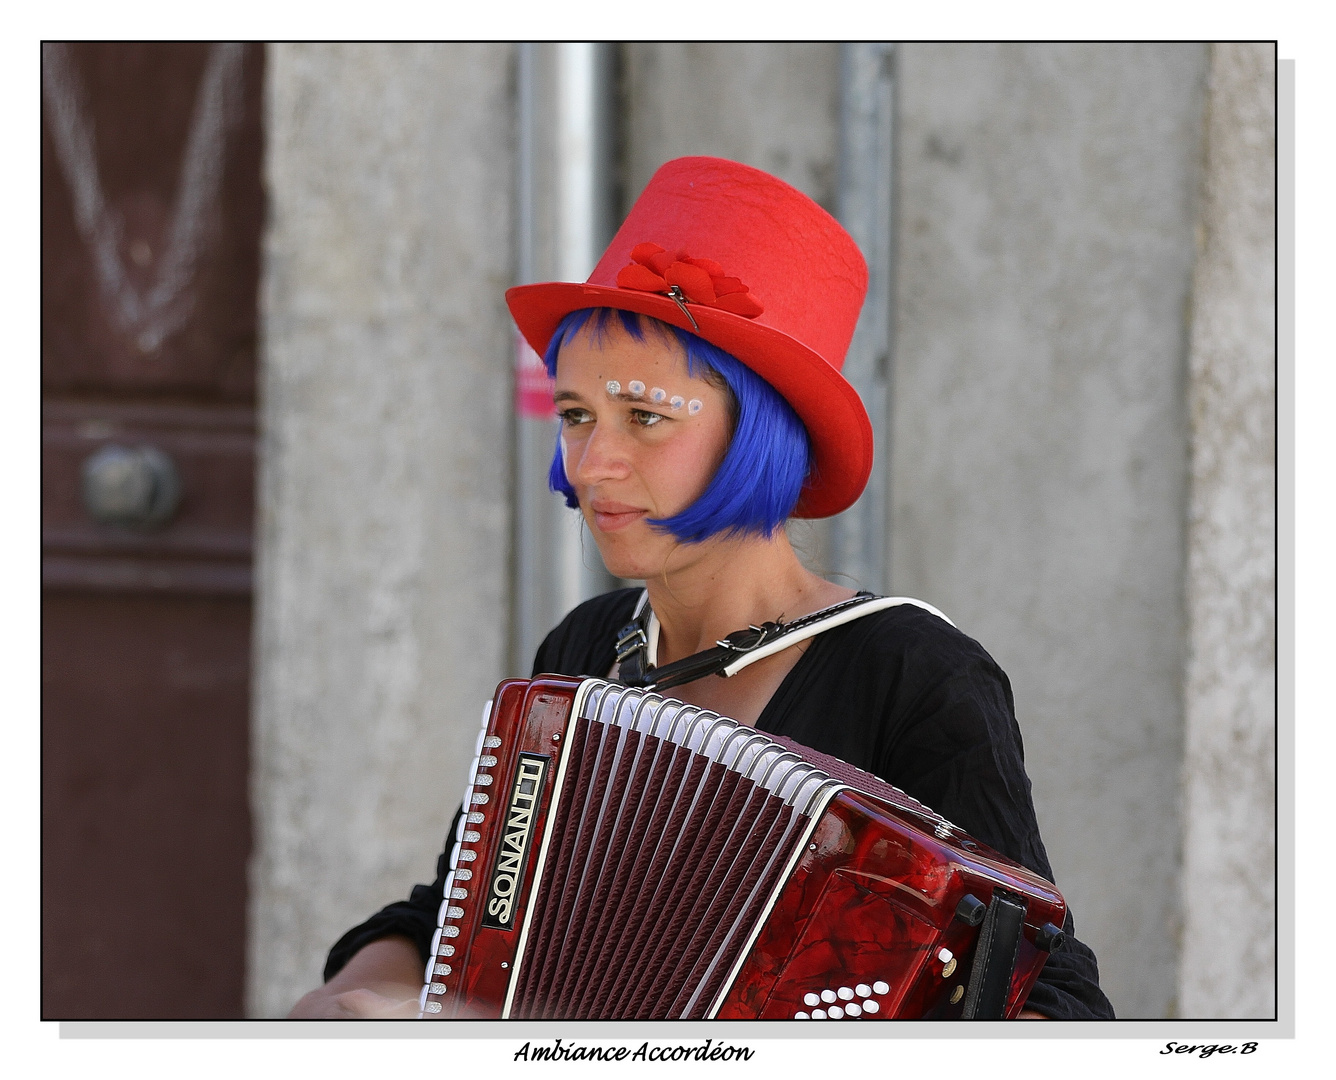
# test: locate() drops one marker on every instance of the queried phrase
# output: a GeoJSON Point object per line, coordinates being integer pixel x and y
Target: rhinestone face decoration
{"type": "Point", "coordinates": [656, 395]}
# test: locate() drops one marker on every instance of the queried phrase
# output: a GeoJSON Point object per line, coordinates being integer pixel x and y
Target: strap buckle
{"type": "Point", "coordinates": [745, 641]}
{"type": "Point", "coordinates": [632, 639]}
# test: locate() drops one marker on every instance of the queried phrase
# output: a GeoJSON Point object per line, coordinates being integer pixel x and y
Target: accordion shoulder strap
{"type": "Point", "coordinates": [637, 641]}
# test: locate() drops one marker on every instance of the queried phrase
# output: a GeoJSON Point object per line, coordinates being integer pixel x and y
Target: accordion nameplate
{"type": "Point", "coordinates": [507, 877]}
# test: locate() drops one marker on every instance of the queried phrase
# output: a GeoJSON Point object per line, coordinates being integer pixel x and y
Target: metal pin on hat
{"type": "Point", "coordinates": [675, 292]}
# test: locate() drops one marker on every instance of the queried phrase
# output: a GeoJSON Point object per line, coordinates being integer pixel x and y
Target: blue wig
{"type": "Point", "coordinates": [757, 485]}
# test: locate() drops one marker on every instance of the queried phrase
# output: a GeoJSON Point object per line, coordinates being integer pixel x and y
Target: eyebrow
{"type": "Point", "coordinates": [636, 399]}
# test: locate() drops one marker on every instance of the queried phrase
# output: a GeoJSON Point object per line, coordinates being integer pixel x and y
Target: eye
{"type": "Point", "coordinates": [645, 418]}
{"type": "Point", "coordinates": [573, 417]}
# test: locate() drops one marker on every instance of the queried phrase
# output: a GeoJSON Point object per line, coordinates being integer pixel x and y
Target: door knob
{"type": "Point", "coordinates": [136, 486]}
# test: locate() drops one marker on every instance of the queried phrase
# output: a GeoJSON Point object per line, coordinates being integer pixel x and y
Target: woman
{"type": "Point", "coordinates": [696, 378]}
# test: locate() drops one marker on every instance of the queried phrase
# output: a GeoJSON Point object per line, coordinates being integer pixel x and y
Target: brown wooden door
{"type": "Point", "coordinates": [151, 215]}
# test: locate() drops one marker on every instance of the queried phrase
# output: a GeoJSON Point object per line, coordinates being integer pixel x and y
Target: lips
{"type": "Point", "coordinates": [610, 516]}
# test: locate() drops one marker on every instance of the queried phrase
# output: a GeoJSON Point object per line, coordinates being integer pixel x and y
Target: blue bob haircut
{"type": "Point", "coordinates": [769, 456]}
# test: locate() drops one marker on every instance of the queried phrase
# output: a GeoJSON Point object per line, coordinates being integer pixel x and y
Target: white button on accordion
{"type": "Point", "coordinates": [623, 855]}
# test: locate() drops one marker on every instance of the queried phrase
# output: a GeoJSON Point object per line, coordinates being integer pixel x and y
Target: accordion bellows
{"type": "Point", "coordinates": [624, 855]}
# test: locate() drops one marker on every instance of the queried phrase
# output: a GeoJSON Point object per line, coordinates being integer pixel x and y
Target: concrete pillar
{"type": "Point", "coordinates": [1039, 437]}
{"type": "Point", "coordinates": [1228, 962]}
{"type": "Point", "coordinates": [383, 506]}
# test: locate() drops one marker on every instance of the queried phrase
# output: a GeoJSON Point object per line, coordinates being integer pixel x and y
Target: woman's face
{"type": "Point", "coordinates": [640, 439]}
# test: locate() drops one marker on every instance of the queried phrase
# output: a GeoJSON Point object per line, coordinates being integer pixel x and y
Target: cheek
{"type": "Point", "coordinates": [571, 447]}
{"type": "Point", "coordinates": [689, 466]}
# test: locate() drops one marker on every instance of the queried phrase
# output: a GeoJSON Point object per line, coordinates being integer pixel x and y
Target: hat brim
{"type": "Point", "coordinates": [827, 404]}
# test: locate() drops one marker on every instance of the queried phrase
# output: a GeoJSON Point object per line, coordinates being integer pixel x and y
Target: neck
{"type": "Point", "coordinates": [729, 584]}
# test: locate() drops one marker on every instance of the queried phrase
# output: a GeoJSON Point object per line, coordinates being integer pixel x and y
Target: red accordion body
{"type": "Point", "coordinates": [623, 855]}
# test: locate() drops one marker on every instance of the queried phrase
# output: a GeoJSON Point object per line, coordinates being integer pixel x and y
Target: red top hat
{"type": "Point", "coordinates": [755, 267]}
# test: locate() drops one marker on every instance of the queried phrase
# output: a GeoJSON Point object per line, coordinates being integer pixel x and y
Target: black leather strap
{"type": "Point", "coordinates": [633, 644]}
{"type": "Point", "coordinates": [995, 958]}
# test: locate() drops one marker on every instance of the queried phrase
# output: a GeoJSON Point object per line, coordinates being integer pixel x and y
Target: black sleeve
{"type": "Point", "coordinates": [582, 644]}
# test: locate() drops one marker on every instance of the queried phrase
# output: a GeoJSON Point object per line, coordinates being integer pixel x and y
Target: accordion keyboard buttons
{"type": "Point", "coordinates": [848, 1004]}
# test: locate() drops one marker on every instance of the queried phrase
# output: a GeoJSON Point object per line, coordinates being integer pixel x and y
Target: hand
{"type": "Point", "coordinates": [1030, 1014]}
{"type": "Point", "coordinates": [358, 1004]}
{"type": "Point", "coordinates": [382, 981]}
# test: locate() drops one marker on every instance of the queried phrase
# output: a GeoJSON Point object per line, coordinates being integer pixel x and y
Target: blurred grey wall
{"type": "Point", "coordinates": [384, 501]}
{"type": "Point", "coordinates": [1039, 457]}
{"type": "Point", "coordinates": [1047, 476]}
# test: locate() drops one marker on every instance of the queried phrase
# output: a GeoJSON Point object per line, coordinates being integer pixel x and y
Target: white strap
{"type": "Point", "coordinates": [838, 619]}
{"type": "Point", "coordinates": [880, 603]}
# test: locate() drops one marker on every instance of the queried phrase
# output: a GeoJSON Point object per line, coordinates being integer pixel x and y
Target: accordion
{"type": "Point", "coordinates": [625, 855]}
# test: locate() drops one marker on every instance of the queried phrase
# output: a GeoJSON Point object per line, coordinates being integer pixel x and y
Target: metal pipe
{"type": "Point", "coordinates": [859, 537]}
{"type": "Point", "coordinates": [576, 165]}
{"type": "Point", "coordinates": [563, 177]}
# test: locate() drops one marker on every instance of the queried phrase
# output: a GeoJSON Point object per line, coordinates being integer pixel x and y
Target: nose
{"type": "Point", "coordinates": [601, 455]}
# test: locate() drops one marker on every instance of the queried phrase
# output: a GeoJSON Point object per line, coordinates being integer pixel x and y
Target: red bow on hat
{"type": "Point", "coordinates": [701, 281]}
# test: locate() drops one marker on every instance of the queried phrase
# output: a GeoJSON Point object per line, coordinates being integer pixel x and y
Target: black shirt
{"type": "Point", "coordinates": [900, 693]}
